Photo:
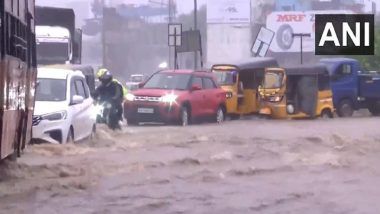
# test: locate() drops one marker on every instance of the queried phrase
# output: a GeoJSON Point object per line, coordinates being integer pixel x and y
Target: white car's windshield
{"type": "Point", "coordinates": [52, 90]}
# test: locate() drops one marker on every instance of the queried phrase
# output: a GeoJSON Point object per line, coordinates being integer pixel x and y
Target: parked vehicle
{"type": "Point", "coordinates": [137, 78]}
{"type": "Point", "coordinates": [58, 42]}
{"type": "Point", "coordinates": [353, 87]}
{"type": "Point", "coordinates": [18, 74]}
{"type": "Point", "coordinates": [181, 96]}
{"type": "Point", "coordinates": [64, 110]}
{"type": "Point", "coordinates": [300, 92]}
{"type": "Point", "coordinates": [134, 81]}
{"type": "Point", "coordinates": [241, 81]}
{"type": "Point", "coordinates": [87, 70]}
{"type": "Point", "coordinates": [132, 86]}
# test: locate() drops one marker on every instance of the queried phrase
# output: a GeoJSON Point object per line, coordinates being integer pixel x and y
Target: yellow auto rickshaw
{"type": "Point", "coordinates": [301, 92]}
{"type": "Point", "coordinates": [240, 81]}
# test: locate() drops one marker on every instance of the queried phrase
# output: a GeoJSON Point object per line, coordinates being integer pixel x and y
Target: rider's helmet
{"type": "Point", "coordinates": [104, 76]}
{"type": "Point", "coordinates": [100, 72]}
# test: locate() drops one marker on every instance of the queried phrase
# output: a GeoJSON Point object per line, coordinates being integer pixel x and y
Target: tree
{"type": "Point", "coordinates": [97, 8]}
{"type": "Point", "coordinates": [373, 62]}
{"type": "Point", "coordinates": [187, 21]}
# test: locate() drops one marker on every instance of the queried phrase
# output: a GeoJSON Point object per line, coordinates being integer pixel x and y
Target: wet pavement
{"type": "Point", "coordinates": [246, 166]}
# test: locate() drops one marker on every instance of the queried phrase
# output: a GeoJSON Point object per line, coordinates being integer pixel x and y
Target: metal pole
{"type": "Point", "coordinates": [196, 28]}
{"type": "Point", "coordinates": [170, 21]}
{"type": "Point", "coordinates": [301, 50]}
{"type": "Point", "coordinates": [301, 35]}
{"type": "Point", "coordinates": [201, 51]}
{"type": "Point", "coordinates": [175, 48]}
{"type": "Point", "coordinates": [103, 38]}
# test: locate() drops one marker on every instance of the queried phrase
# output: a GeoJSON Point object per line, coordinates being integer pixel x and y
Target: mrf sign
{"type": "Point", "coordinates": [344, 34]}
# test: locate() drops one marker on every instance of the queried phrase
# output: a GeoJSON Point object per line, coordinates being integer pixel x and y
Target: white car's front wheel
{"type": "Point", "coordinates": [70, 136]}
{"type": "Point", "coordinates": [93, 132]}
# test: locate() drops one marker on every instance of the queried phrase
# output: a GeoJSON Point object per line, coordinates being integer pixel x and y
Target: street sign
{"type": "Point", "coordinates": [174, 35]}
{"type": "Point", "coordinates": [265, 35]}
{"type": "Point", "coordinates": [263, 40]}
{"type": "Point", "coordinates": [191, 41]}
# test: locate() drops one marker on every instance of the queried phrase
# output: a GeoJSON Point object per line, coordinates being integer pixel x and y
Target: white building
{"type": "Point", "coordinates": [228, 30]}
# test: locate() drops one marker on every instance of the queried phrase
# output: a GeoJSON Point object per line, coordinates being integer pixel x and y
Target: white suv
{"type": "Point", "coordinates": [64, 110]}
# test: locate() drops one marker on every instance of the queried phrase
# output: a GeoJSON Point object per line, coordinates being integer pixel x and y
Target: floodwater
{"type": "Point", "coordinates": [246, 166]}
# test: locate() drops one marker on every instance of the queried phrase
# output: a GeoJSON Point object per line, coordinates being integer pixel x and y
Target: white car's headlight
{"type": "Point", "coordinates": [130, 97]}
{"type": "Point", "coordinates": [62, 115]}
{"type": "Point", "coordinates": [169, 98]}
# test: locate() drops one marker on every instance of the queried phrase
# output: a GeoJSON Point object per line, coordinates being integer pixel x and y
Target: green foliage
{"type": "Point", "coordinates": [187, 21]}
{"type": "Point", "coordinates": [373, 62]}
{"type": "Point", "coordinates": [97, 8]}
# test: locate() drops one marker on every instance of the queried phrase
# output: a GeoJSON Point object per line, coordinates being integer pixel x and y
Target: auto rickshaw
{"type": "Point", "coordinates": [240, 81]}
{"type": "Point", "coordinates": [301, 92]}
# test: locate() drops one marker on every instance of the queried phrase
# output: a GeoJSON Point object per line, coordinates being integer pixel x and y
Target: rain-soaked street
{"type": "Point", "coordinates": [247, 166]}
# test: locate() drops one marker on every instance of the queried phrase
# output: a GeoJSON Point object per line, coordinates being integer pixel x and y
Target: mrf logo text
{"type": "Point", "coordinates": [342, 34]}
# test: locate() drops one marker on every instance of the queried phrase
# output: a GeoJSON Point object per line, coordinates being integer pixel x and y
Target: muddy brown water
{"type": "Point", "coordinates": [247, 166]}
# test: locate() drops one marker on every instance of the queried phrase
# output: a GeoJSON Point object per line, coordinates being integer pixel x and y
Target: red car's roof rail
{"type": "Point", "coordinates": [205, 70]}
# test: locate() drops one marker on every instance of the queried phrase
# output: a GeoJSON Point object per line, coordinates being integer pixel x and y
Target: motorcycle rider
{"type": "Point", "coordinates": [110, 91]}
{"type": "Point", "coordinates": [102, 71]}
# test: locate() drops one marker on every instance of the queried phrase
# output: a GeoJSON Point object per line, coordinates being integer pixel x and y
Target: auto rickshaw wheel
{"type": "Point", "coordinates": [234, 116]}
{"type": "Point", "coordinates": [375, 109]}
{"type": "Point", "coordinates": [326, 114]}
{"type": "Point", "coordinates": [345, 109]}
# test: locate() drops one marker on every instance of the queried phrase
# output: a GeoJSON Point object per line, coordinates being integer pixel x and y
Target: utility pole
{"type": "Point", "coordinates": [195, 28]}
{"type": "Point", "coordinates": [103, 38]}
{"type": "Point", "coordinates": [169, 22]}
{"type": "Point", "coordinates": [301, 35]}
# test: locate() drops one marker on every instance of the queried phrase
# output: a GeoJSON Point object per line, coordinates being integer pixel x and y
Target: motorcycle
{"type": "Point", "coordinates": [106, 114]}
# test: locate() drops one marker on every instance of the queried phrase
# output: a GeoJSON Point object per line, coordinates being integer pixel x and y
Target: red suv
{"type": "Point", "coordinates": [176, 96]}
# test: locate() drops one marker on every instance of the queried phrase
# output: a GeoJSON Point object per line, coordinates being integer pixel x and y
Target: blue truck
{"type": "Point", "coordinates": [353, 87]}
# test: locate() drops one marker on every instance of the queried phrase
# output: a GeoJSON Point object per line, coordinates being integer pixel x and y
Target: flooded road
{"type": "Point", "coordinates": [247, 166]}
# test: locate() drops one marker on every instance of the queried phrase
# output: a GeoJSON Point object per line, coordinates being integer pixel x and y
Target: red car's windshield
{"type": "Point", "coordinates": [168, 81]}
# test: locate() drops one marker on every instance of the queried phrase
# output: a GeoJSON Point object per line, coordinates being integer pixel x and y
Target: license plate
{"type": "Point", "coordinates": [145, 110]}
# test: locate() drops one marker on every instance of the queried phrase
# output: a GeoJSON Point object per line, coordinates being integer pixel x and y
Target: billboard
{"type": "Point", "coordinates": [287, 23]}
{"type": "Point", "coordinates": [228, 11]}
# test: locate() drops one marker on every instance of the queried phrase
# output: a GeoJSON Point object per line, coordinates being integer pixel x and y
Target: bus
{"type": "Point", "coordinates": [18, 72]}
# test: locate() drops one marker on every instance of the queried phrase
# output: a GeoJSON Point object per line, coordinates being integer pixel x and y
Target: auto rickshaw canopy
{"type": "Point", "coordinates": [247, 64]}
{"type": "Point", "coordinates": [316, 69]}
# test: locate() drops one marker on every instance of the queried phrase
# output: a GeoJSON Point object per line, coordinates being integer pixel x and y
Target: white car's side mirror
{"type": "Point", "coordinates": [77, 100]}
